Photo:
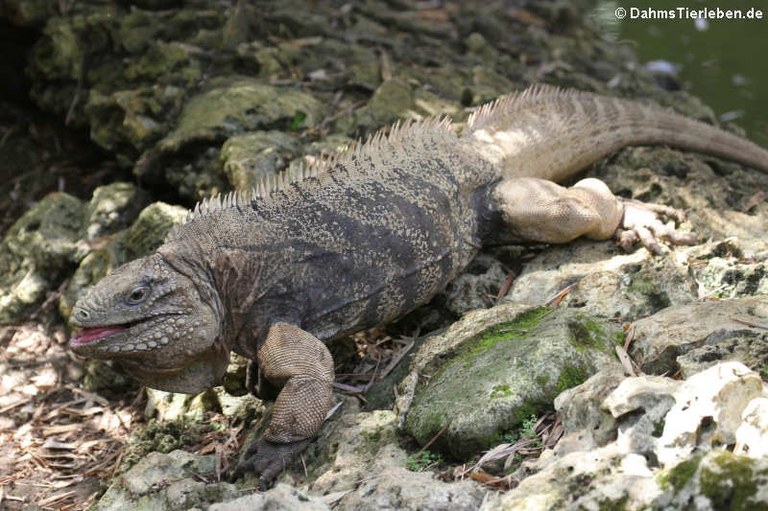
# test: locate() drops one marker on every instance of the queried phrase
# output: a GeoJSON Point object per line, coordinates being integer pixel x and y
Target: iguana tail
{"type": "Point", "coordinates": [551, 133]}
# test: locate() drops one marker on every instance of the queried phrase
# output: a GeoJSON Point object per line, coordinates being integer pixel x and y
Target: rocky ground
{"type": "Point", "coordinates": [543, 378]}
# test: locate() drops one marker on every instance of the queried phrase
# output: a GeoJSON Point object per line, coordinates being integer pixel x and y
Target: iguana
{"type": "Point", "coordinates": [367, 235]}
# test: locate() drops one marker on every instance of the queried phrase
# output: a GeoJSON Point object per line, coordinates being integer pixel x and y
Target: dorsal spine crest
{"type": "Point", "coordinates": [315, 168]}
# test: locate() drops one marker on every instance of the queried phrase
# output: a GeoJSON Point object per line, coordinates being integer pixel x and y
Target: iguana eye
{"type": "Point", "coordinates": [138, 294]}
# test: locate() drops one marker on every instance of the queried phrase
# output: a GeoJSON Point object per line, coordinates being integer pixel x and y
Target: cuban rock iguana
{"type": "Point", "coordinates": [366, 236]}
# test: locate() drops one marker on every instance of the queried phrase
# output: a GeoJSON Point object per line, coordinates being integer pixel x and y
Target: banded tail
{"type": "Point", "coordinates": [552, 133]}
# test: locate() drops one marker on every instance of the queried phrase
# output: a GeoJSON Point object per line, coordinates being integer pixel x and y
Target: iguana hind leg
{"type": "Point", "coordinates": [302, 365]}
{"type": "Point", "coordinates": [537, 210]}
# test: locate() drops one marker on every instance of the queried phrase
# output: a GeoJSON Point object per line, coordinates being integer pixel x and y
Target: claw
{"type": "Point", "coordinates": [268, 459]}
{"type": "Point", "coordinates": [642, 223]}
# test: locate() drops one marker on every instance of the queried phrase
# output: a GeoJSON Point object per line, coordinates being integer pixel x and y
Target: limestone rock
{"type": "Point", "coordinates": [708, 411]}
{"type": "Point", "coordinates": [359, 444]}
{"type": "Point", "coordinates": [752, 434]}
{"type": "Point", "coordinates": [661, 338]}
{"type": "Point", "coordinates": [248, 158]}
{"type": "Point", "coordinates": [607, 283]}
{"type": "Point", "coordinates": [281, 496]}
{"type": "Point", "coordinates": [670, 450]}
{"type": "Point", "coordinates": [587, 424]}
{"type": "Point", "coordinates": [37, 252]}
{"type": "Point", "coordinates": [166, 482]}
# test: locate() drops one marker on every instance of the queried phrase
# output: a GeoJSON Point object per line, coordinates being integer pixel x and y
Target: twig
{"type": "Point", "coordinates": [434, 438]}
{"type": "Point", "coordinates": [751, 323]}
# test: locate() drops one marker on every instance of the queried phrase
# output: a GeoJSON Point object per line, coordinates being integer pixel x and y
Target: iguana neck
{"type": "Point", "coordinates": [241, 275]}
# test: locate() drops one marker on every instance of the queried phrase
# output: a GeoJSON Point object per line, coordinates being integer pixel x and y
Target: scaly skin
{"type": "Point", "coordinates": [366, 236]}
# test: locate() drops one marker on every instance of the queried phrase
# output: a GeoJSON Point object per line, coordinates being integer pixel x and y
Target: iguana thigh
{"type": "Point", "coordinates": [537, 210]}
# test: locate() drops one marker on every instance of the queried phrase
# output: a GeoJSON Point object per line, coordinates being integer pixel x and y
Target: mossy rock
{"type": "Point", "coordinates": [140, 239]}
{"type": "Point", "coordinates": [493, 380]}
{"type": "Point", "coordinates": [719, 480]}
{"type": "Point", "coordinates": [247, 159]}
{"type": "Point", "coordinates": [37, 252]}
{"type": "Point", "coordinates": [235, 106]}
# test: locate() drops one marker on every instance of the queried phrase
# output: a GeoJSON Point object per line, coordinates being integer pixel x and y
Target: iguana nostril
{"type": "Point", "coordinates": [81, 314]}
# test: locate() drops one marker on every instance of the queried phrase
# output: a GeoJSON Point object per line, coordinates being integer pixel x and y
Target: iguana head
{"type": "Point", "coordinates": [156, 322]}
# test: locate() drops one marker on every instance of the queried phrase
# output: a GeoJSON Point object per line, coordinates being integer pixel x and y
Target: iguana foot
{"type": "Point", "coordinates": [642, 222]}
{"type": "Point", "coordinates": [268, 459]}
{"type": "Point", "coordinates": [301, 364]}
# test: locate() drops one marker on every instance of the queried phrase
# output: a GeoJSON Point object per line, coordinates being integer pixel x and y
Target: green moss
{"type": "Point", "coordinates": [731, 485]}
{"type": "Point", "coordinates": [648, 287]}
{"type": "Point", "coordinates": [679, 475]}
{"type": "Point", "coordinates": [614, 505]}
{"type": "Point", "coordinates": [372, 436]}
{"type": "Point", "coordinates": [162, 436]}
{"type": "Point", "coordinates": [571, 376]}
{"type": "Point", "coordinates": [526, 362]}
{"type": "Point", "coordinates": [587, 333]}
{"type": "Point", "coordinates": [500, 391]}
{"type": "Point", "coordinates": [501, 332]}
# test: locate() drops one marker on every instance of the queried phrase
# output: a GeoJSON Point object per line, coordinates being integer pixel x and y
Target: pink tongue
{"type": "Point", "coordinates": [88, 335]}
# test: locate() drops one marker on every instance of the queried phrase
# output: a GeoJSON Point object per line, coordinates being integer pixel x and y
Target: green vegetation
{"type": "Point", "coordinates": [571, 376]}
{"type": "Point", "coordinates": [297, 122]}
{"type": "Point", "coordinates": [731, 483]}
{"type": "Point", "coordinates": [526, 430]}
{"type": "Point", "coordinates": [679, 475]}
{"type": "Point", "coordinates": [422, 461]}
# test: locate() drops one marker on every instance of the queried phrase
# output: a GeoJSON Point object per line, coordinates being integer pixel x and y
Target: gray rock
{"type": "Point", "coordinates": [477, 287]}
{"type": "Point", "coordinates": [160, 482]}
{"type": "Point", "coordinates": [180, 480]}
{"type": "Point", "coordinates": [660, 339]}
{"type": "Point", "coordinates": [112, 208]}
{"type": "Point", "coordinates": [280, 497]}
{"type": "Point", "coordinates": [495, 368]}
{"type": "Point", "coordinates": [731, 270]}
{"type": "Point", "coordinates": [607, 283]}
{"type": "Point", "coordinates": [189, 156]}
{"type": "Point", "coordinates": [248, 158]}
{"type": "Point", "coordinates": [37, 252]}
{"type": "Point", "coordinates": [360, 461]}
{"type": "Point", "coordinates": [392, 100]}
{"type": "Point", "coordinates": [669, 452]}
{"type": "Point", "coordinates": [752, 351]}
{"type": "Point", "coordinates": [234, 106]}
{"type": "Point", "coordinates": [586, 423]}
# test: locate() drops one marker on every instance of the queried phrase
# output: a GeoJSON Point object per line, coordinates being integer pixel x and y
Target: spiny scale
{"type": "Point", "coordinates": [381, 140]}
{"type": "Point", "coordinates": [518, 100]}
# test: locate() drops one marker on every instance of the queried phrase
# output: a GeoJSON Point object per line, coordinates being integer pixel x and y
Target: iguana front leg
{"type": "Point", "coordinates": [302, 365]}
{"type": "Point", "coordinates": [537, 210]}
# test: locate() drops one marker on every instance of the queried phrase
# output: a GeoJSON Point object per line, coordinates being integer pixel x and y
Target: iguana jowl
{"type": "Point", "coordinates": [367, 236]}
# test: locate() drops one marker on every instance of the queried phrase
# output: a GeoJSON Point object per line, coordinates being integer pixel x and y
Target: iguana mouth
{"type": "Point", "coordinates": [91, 335]}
